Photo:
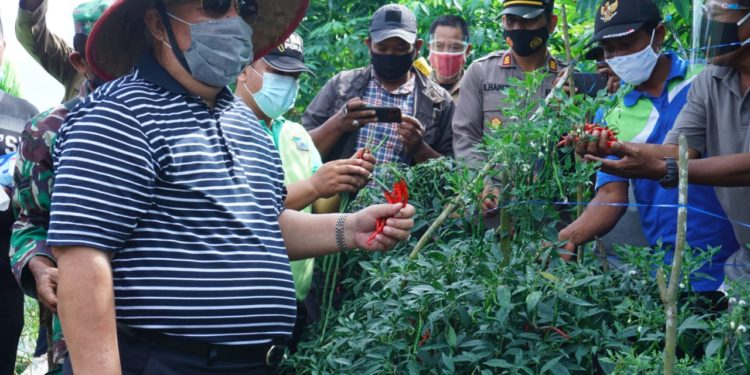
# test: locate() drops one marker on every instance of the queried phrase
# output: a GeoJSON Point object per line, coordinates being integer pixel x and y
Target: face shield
{"type": "Point", "coordinates": [447, 58]}
{"type": "Point", "coordinates": [718, 34]}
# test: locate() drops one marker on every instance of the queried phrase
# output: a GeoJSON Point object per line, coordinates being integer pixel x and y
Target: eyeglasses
{"type": "Point", "coordinates": [247, 9]}
{"type": "Point", "coordinates": [451, 46]}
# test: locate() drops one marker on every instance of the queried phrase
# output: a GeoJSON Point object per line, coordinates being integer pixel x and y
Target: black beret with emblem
{"type": "Point", "coordinates": [620, 18]}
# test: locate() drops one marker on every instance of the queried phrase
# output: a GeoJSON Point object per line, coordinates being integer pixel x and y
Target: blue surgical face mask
{"type": "Point", "coordinates": [219, 49]}
{"type": "Point", "coordinates": [277, 95]}
{"type": "Point", "coordinates": [635, 68]}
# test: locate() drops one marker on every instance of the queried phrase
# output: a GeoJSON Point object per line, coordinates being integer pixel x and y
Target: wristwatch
{"type": "Point", "coordinates": [672, 178]}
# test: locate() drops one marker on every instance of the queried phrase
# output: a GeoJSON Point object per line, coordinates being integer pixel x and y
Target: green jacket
{"type": "Point", "coordinates": [48, 49]}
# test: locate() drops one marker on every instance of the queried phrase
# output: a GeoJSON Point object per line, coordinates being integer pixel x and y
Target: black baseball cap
{"type": "Point", "coordinates": [393, 20]}
{"type": "Point", "coordinates": [528, 9]}
{"type": "Point", "coordinates": [288, 57]}
{"type": "Point", "coordinates": [620, 18]}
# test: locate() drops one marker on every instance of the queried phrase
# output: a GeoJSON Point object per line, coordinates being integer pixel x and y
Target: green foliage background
{"type": "Point", "coordinates": [334, 32]}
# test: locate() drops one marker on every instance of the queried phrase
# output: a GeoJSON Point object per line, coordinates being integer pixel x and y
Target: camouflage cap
{"type": "Point", "coordinates": [86, 14]}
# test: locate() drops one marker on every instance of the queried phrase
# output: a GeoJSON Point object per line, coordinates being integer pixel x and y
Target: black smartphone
{"type": "Point", "coordinates": [386, 114]}
{"type": "Point", "coordinates": [590, 83]}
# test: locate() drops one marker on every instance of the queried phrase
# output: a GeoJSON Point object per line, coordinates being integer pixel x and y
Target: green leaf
{"type": "Point", "coordinates": [503, 295]}
{"type": "Point", "coordinates": [714, 346]}
{"type": "Point", "coordinates": [549, 276]}
{"type": "Point", "coordinates": [532, 300]}
{"type": "Point", "coordinates": [692, 322]}
{"type": "Point", "coordinates": [448, 362]}
{"type": "Point", "coordinates": [574, 300]}
{"type": "Point", "coordinates": [549, 365]}
{"type": "Point", "coordinates": [684, 9]}
{"type": "Point", "coordinates": [498, 363]}
{"type": "Point", "coordinates": [450, 336]}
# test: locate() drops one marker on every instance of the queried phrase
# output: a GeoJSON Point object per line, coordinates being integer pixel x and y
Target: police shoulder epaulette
{"type": "Point", "coordinates": [492, 55]}
{"type": "Point", "coordinates": [553, 65]}
{"type": "Point", "coordinates": [507, 60]}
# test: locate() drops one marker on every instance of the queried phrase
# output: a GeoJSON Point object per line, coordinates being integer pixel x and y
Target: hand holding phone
{"type": "Point", "coordinates": [590, 83]}
{"type": "Point", "coordinates": [387, 114]}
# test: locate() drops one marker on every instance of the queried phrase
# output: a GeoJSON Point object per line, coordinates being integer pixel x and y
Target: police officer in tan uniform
{"type": "Point", "coordinates": [527, 26]}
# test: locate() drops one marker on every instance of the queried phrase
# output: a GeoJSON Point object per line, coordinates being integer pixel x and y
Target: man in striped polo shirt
{"type": "Point", "coordinates": [167, 218]}
{"type": "Point", "coordinates": [269, 86]}
{"type": "Point", "coordinates": [630, 40]}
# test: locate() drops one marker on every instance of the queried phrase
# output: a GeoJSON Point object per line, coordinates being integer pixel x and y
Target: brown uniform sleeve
{"type": "Point", "coordinates": [468, 119]}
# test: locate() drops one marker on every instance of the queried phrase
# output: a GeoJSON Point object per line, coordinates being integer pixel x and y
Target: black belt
{"type": "Point", "coordinates": [271, 354]}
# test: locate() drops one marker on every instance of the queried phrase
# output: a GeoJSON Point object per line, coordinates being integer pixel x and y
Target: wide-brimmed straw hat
{"type": "Point", "coordinates": [118, 38]}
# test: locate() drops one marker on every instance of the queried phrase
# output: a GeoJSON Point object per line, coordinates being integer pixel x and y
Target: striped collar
{"type": "Point", "coordinates": [150, 70]}
{"type": "Point", "coordinates": [678, 69]}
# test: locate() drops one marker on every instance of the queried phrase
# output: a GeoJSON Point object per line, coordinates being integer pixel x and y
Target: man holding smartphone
{"type": "Point", "coordinates": [631, 40]}
{"type": "Point", "coordinates": [341, 118]}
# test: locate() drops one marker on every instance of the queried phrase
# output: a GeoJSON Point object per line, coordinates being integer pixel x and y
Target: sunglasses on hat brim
{"type": "Point", "coordinates": [247, 9]}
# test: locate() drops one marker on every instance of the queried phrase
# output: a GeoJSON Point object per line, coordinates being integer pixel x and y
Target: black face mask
{"type": "Point", "coordinates": [722, 37]}
{"type": "Point", "coordinates": [391, 67]}
{"type": "Point", "coordinates": [526, 42]}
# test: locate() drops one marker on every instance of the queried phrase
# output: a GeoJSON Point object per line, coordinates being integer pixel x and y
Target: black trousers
{"type": "Point", "coordinates": [138, 357]}
{"type": "Point", "coordinates": [11, 324]}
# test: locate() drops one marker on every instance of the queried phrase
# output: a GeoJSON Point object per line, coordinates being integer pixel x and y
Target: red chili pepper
{"type": "Point", "coordinates": [556, 330]}
{"type": "Point", "coordinates": [424, 338]}
{"type": "Point", "coordinates": [400, 194]}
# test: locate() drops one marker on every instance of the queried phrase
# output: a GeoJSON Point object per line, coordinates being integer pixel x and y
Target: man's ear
{"type": "Point", "coordinates": [553, 23]}
{"type": "Point", "coordinates": [368, 43]}
{"type": "Point", "coordinates": [659, 35]}
{"type": "Point", "coordinates": [244, 74]}
{"type": "Point", "coordinates": [418, 45]}
{"type": "Point", "coordinates": [155, 26]}
{"type": "Point", "coordinates": [78, 62]}
{"type": "Point", "coordinates": [468, 50]}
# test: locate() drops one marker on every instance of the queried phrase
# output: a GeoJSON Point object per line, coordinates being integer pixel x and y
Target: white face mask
{"type": "Point", "coordinates": [635, 68]}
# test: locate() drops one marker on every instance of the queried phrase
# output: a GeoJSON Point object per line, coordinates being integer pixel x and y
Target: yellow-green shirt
{"type": "Point", "coordinates": [300, 160]}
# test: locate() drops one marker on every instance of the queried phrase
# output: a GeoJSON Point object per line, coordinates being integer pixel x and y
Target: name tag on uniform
{"type": "Point", "coordinates": [494, 87]}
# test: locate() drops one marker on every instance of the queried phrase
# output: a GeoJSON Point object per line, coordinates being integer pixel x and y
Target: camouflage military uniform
{"type": "Point", "coordinates": [32, 180]}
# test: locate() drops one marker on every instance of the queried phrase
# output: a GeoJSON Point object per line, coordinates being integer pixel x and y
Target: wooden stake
{"type": "Point", "coordinates": [669, 292]}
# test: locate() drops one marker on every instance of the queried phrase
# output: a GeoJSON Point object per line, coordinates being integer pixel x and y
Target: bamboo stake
{"type": "Point", "coordinates": [455, 203]}
{"type": "Point", "coordinates": [669, 292]}
{"type": "Point", "coordinates": [571, 84]}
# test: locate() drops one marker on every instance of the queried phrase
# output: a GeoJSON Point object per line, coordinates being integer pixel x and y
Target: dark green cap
{"type": "Point", "coordinates": [86, 14]}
